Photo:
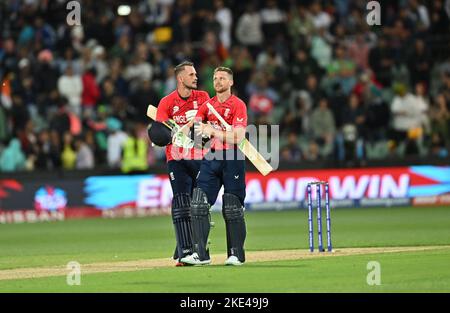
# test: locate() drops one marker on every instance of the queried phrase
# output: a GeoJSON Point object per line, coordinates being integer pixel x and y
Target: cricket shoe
{"type": "Point", "coordinates": [233, 260]}
{"type": "Point", "coordinates": [194, 259]}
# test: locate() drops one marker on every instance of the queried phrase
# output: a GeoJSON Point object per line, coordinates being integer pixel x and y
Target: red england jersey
{"type": "Point", "coordinates": [174, 107]}
{"type": "Point", "coordinates": [233, 111]}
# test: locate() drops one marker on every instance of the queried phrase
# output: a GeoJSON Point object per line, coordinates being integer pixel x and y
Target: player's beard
{"type": "Point", "coordinates": [220, 89]}
{"type": "Point", "coordinates": [191, 86]}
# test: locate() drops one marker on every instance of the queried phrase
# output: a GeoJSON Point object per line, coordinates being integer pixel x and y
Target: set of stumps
{"type": "Point", "coordinates": [319, 185]}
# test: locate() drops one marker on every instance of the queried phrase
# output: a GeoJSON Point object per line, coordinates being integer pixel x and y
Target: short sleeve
{"type": "Point", "coordinates": [240, 115]}
{"type": "Point", "coordinates": [162, 114]}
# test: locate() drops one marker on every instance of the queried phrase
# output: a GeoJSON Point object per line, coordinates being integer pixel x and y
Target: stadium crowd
{"type": "Point", "coordinates": [75, 97]}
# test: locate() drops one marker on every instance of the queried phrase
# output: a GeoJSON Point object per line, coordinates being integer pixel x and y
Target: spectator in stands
{"type": "Point", "coordinates": [322, 126]}
{"type": "Point", "coordinates": [273, 20]}
{"type": "Point", "coordinates": [313, 152]}
{"type": "Point", "coordinates": [90, 94]}
{"type": "Point", "coordinates": [249, 29]}
{"type": "Point", "coordinates": [99, 63]}
{"type": "Point", "coordinates": [207, 71]}
{"type": "Point", "coordinates": [68, 154]}
{"type": "Point", "coordinates": [242, 64]}
{"type": "Point", "coordinates": [48, 151]}
{"type": "Point", "coordinates": [400, 73]}
{"type": "Point", "coordinates": [302, 67]}
{"type": "Point", "coordinates": [70, 60]}
{"type": "Point", "coordinates": [337, 101]}
{"type": "Point", "coordinates": [134, 153]}
{"type": "Point", "coordinates": [28, 140]}
{"type": "Point", "coordinates": [9, 60]}
{"type": "Point", "coordinates": [140, 100]}
{"type": "Point", "coordinates": [294, 152]}
{"type": "Point", "coordinates": [85, 56]}
{"type": "Point", "coordinates": [211, 46]}
{"type": "Point", "coordinates": [44, 33]}
{"type": "Point", "coordinates": [438, 147]}
{"type": "Point", "coordinates": [295, 119]}
{"type": "Point", "coordinates": [120, 84]}
{"type": "Point", "coordinates": [320, 18]}
{"type": "Point", "coordinates": [407, 113]}
{"type": "Point", "coordinates": [107, 91]}
{"type": "Point", "coordinates": [60, 120]}
{"type": "Point", "coordinates": [71, 87]}
{"type": "Point", "coordinates": [421, 98]}
{"type": "Point", "coordinates": [358, 51]}
{"type": "Point", "coordinates": [122, 49]}
{"type": "Point", "coordinates": [98, 128]}
{"type": "Point", "coordinates": [378, 116]}
{"type": "Point", "coordinates": [272, 65]}
{"type": "Point", "coordinates": [45, 79]}
{"type": "Point", "coordinates": [139, 68]}
{"type": "Point", "coordinates": [116, 140]}
{"type": "Point", "coordinates": [440, 118]}
{"type": "Point", "coordinates": [350, 139]}
{"type": "Point", "coordinates": [211, 24]}
{"type": "Point", "coordinates": [285, 154]}
{"type": "Point", "coordinates": [300, 26]}
{"type": "Point", "coordinates": [225, 18]}
{"type": "Point", "coordinates": [419, 63]}
{"type": "Point", "coordinates": [367, 88]}
{"type": "Point", "coordinates": [321, 49]}
{"type": "Point", "coordinates": [19, 115]}
{"type": "Point", "coordinates": [313, 92]}
{"type": "Point", "coordinates": [418, 13]}
{"type": "Point", "coordinates": [262, 96]}
{"type": "Point", "coordinates": [341, 69]}
{"type": "Point", "coordinates": [440, 20]}
{"type": "Point", "coordinates": [84, 155]}
{"type": "Point", "coordinates": [354, 113]}
{"type": "Point", "coordinates": [12, 158]}
{"type": "Point", "coordinates": [170, 83]}
{"type": "Point", "coordinates": [381, 59]}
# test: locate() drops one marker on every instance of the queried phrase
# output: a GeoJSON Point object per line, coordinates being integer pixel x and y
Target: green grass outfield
{"type": "Point", "coordinates": [118, 240]}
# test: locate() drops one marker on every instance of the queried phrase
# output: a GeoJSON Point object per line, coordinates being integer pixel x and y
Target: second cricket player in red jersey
{"type": "Point", "coordinates": [224, 165]}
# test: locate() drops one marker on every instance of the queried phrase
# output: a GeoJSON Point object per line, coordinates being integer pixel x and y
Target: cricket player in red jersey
{"type": "Point", "coordinates": [227, 168]}
{"type": "Point", "coordinates": [183, 163]}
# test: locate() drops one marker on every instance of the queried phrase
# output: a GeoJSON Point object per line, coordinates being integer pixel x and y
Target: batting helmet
{"type": "Point", "coordinates": [159, 134]}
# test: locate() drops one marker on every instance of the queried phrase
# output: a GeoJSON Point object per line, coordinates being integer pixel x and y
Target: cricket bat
{"type": "Point", "coordinates": [151, 112]}
{"type": "Point", "coordinates": [246, 147]}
